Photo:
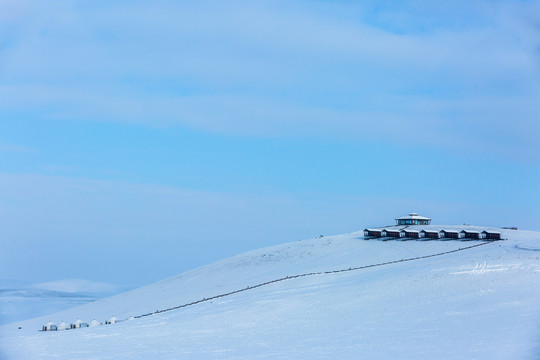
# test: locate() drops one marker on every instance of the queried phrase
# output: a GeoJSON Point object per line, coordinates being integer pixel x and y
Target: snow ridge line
{"type": "Point", "coordinates": [307, 274]}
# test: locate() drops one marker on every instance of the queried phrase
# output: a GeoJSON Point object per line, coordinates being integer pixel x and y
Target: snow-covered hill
{"type": "Point", "coordinates": [394, 299]}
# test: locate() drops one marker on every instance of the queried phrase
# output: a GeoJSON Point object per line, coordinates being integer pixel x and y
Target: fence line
{"type": "Point", "coordinates": [304, 275]}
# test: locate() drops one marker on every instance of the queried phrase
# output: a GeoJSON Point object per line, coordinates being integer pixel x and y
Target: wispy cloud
{"type": "Point", "coordinates": [286, 69]}
{"type": "Point", "coordinates": [16, 148]}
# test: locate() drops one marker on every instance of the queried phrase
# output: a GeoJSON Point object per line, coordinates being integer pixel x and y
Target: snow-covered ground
{"type": "Point", "coordinates": [481, 302]}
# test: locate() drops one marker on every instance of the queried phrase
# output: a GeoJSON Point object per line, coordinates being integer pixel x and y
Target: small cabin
{"type": "Point", "coordinates": [433, 234]}
{"type": "Point", "coordinates": [63, 326]}
{"type": "Point", "coordinates": [78, 324]}
{"type": "Point", "coordinates": [413, 234]}
{"type": "Point", "coordinates": [372, 233]}
{"type": "Point", "coordinates": [112, 320]}
{"type": "Point", "coordinates": [393, 233]}
{"type": "Point", "coordinates": [50, 326]}
{"type": "Point", "coordinates": [471, 234]}
{"type": "Point", "coordinates": [452, 234]}
{"type": "Point", "coordinates": [491, 235]}
{"type": "Point", "coordinates": [413, 219]}
{"type": "Point", "coordinates": [94, 323]}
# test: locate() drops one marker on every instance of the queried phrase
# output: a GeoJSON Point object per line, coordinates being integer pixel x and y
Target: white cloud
{"type": "Point", "coordinates": [275, 69]}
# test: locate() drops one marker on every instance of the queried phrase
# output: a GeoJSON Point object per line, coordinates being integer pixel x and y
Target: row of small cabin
{"type": "Point", "coordinates": [432, 234]}
{"type": "Point", "coordinates": [50, 326]}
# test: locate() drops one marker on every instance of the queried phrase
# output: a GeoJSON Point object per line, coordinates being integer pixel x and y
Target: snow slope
{"type": "Point", "coordinates": [482, 302]}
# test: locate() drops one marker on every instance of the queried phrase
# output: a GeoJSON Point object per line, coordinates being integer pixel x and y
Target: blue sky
{"type": "Point", "coordinates": [139, 140]}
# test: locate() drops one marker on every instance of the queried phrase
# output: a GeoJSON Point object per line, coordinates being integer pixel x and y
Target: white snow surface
{"type": "Point", "coordinates": [477, 303]}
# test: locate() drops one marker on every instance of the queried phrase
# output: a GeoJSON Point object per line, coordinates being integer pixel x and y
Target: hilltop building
{"type": "Point", "coordinates": [413, 219]}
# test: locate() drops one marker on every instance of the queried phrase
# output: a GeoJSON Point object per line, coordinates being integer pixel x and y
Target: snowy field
{"type": "Point", "coordinates": [480, 302]}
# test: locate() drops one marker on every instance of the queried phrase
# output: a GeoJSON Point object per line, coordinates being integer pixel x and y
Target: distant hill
{"type": "Point", "coordinates": [21, 300]}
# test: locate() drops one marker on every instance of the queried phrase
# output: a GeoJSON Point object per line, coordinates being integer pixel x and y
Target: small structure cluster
{"type": "Point", "coordinates": [432, 234]}
{"type": "Point", "coordinates": [50, 326]}
{"type": "Point", "coordinates": [429, 233]}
